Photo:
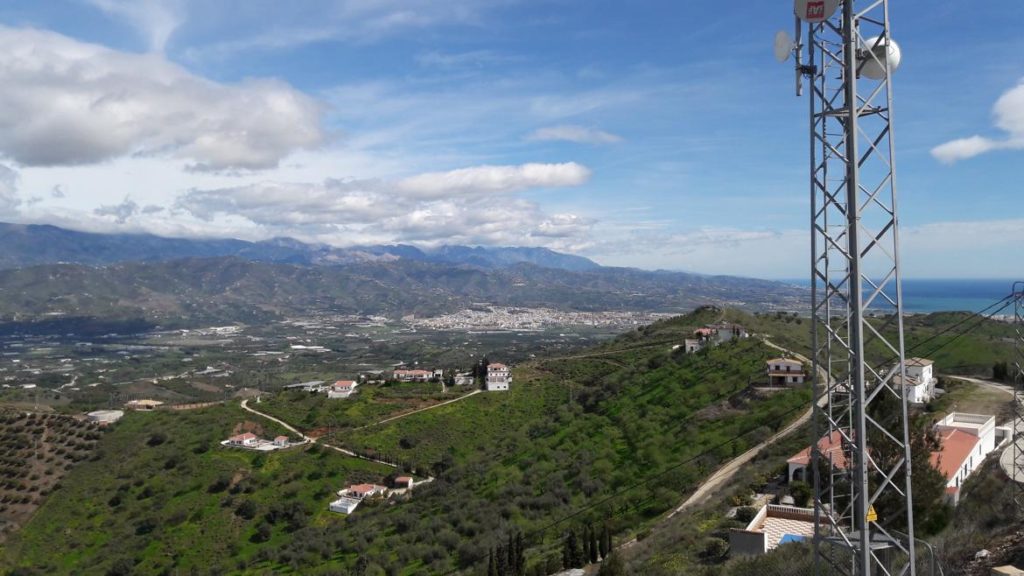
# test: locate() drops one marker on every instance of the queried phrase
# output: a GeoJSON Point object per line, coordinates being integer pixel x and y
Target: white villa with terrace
{"type": "Point", "coordinates": [499, 376]}
{"type": "Point", "coordinates": [773, 525]}
{"type": "Point", "coordinates": [784, 372]}
{"type": "Point", "coordinates": [920, 384]}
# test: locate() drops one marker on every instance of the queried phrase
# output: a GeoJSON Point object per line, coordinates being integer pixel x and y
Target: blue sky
{"type": "Point", "coordinates": [650, 134]}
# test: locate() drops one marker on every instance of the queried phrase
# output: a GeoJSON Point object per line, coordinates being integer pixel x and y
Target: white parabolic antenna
{"type": "Point", "coordinates": [815, 11]}
{"type": "Point", "coordinates": [783, 45]}
{"type": "Point", "coordinates": [882, 50]}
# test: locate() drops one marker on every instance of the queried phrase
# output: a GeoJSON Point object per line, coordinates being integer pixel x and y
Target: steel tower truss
{"type": "Point", "coordinates": [1017, 381]}
{"type": "Point", "coordinates": [857, 300]}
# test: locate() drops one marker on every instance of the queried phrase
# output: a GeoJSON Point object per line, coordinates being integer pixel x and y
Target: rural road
{"type": "Point", "coordinates": [438, 405]}
{"type": "Point", "coordinates": [725, 473]}
{"type": "Point", "coordinates": [245, 406]}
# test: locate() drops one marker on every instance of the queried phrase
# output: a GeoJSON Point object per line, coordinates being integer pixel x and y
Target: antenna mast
{"type": "Point", "coordinates": [847, 57]}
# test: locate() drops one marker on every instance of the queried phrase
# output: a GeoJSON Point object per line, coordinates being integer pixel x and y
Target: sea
{"type": "Point", "coordinates": [921, 296]}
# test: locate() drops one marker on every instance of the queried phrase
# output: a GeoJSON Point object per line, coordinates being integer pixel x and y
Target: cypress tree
{"type": "Point", "coordinates": [511, 549]}
{"type": "Point", "coordinates": [501, 560]}
{"type": "Point", "coordinates": [491, 568]}
{"type": "Point", "coordinates": [593, 544]}
{"type": "Point", "coordinates": [586, 544]}
{"type": "Point", "coordinates": [606, 541]}
{"type": "Point", "coordinates": [520, 555]}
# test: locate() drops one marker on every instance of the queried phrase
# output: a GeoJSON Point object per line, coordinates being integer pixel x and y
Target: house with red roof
{"type": "Point", "coordinates": [247, 439]}
{"type": "Point", "coordinates": [361, 491]}
{"type": "Point", "coordinates": [342, 389]}
{"type": "Point", "coordinates": [964, 442]}
{"type": "Point", "coordinates": [831, 449]}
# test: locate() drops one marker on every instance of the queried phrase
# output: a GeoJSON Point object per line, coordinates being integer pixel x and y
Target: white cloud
{"type": "Point", "coordinates": [9, 200]}
{"type": "Point", "coordinates": [449, 60]}
{"type": "Point", "coordinates": [466, 206]}
{"type": "Point", "coordinates": [494, 179]}
{"type": "Point", "coordinates": [570, 133]}
{"type": "Point", "coordinates": [1008, 114]}
{"type": "Point", "coordinates": [274, 25]}
{"type": "Point", "coordinates": [155, 19]}
{"type": "Point", "coordinates": [67, 102]}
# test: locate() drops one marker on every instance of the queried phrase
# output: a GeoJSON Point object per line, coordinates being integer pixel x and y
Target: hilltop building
{"type": "Point", "coordinates": [713, 335]}
{"type": "Point", "coordinates": [499, 377]}
{"type": "Point", "coordinates": [784, 372]}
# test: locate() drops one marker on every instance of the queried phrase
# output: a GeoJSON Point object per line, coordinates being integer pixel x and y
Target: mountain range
{"type": "Point", "coordinates": [48, 272]}
{"type": "Point", "coordinates": [30, 245]}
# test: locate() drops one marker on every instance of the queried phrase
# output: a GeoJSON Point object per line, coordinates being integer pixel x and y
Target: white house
{"type": "Point", "coordinates": [499, 377]}
{"type": "Point", "coordinates": [248, 440]}
{"type": "Point", "coordinates": [464, 379]}
{"type": "Point", "coordinates": [784, 371]}
{"type": "Point", "coordinates": [344, 505]}
{"type": "Point", "coordinates": [342, 389]}
{"type": "Point", "coordinates": [773, 525]}
{"type": "Point", "coordinates": [412, 375]}
{"type": "Point", "coordinates": [920, 384]}
{"type": "Point", "coordinates": [965, 440]}
{"type": "Point", "coordinates": [281, 441]}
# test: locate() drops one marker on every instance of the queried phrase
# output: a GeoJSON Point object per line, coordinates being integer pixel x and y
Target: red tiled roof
{"type": "Point", "coordinates": [403, 479]}
{"type": "Point", "coordinates": [280, 438]}
{"type": "Point", "coordinates": [344, 384]}
{"type": "Point", "coordinates": [956, 446]}
{"type": "Point", "coordinates": [496, 366]}
{"type": "Point", "coordinates": [830, 446]}
{"type": "Point", "coordinates": [361, 488]}
{"type": "Point", "coordinates": [246, 436]}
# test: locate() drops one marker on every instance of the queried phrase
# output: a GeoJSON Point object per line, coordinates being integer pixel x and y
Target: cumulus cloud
{"type": "Point", "coordinates": [67, 102]}
{"type": "Point", "coordinates": [467, 206]}
{"type": "Point", "coordinates": [578, 134]}
{"type": "Point", "coordinates": [494, 179]}
{"type": "Point", "coordinates": [1008, 114]}
{"type": "Point", "coordinates": [9, 200]}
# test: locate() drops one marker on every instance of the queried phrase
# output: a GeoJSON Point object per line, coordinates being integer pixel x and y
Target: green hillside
{"type": "Point", "coordinates": [161, 495]}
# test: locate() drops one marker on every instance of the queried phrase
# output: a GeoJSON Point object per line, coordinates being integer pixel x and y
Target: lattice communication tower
{"type": "Point", "coordinates": [863, 499]}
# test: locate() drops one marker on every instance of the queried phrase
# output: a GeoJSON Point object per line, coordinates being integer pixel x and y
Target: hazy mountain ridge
{"type": "Point", "coordinates": [235, 289]}
{"type": "Point", "coordinates": [33, 245]}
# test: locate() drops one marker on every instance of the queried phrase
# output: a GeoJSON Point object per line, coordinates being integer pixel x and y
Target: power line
{"type": "Point", "coordinates": [1006, 301]}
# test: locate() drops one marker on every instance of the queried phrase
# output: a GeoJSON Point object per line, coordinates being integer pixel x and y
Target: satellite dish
{"type": "Point", "coordinates": [876, 51]}
{"type": "Point", "coordinates": [815, 11]}
{"type": "Point", "coordinates": [783, 45]}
